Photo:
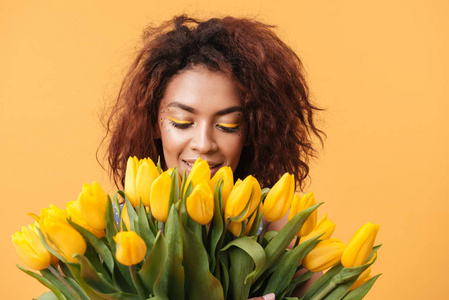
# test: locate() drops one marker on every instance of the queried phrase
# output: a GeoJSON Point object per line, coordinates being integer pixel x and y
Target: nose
{"type": "Point", "coordinates": [203, 140]}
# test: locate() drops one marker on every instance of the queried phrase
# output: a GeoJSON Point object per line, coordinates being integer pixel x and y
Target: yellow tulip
{"type": "Point", "coordinates": [130, 180]}
{"type": "Point", "coordinates": [364, 277]}
{"type": "Point", "coordinates": [139, 176]}
{"type": "Point", "coordinates": [228, 182]}
{"type": "Point", "coordinates": [131, 248]}
{"type": "Point", "coordinates": [30, 249]}
{"type": "Point", "coordinates": [200, 203]}
{"type": "Point", "coordinates": [200, 172]}
{"type": "Point", "coordinates": [73, 210]}
{"type": "Point", "coordinates": [255, 196]}
{"type": "Point", "coordinates": [299, 204]}
{"type": "Point", "coordinates": [324, 226]}
{"type": "Point", "coordinates": [60, 235]}
{"type": "Point", "coordinates": [360, 246]}
{"type": "Point", "coordinates": [239, 198]}
{"type": "Point", "coordinates": [279, 198]}
{"type": "Point", "coordinates": [146, 174]}
{"type": "Point", "coordinates": [159, 197]}
{"type": "Point", "coordinates": [93, 201]}
{"type": "Point", "coordinates": [326, 254]}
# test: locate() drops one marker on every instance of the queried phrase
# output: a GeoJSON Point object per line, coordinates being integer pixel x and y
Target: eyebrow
{"type": "Point", "coordinates": [193, 110]}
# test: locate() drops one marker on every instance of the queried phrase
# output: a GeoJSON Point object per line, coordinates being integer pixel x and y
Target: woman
{"type": "Point", "coordinates": [226, 90]}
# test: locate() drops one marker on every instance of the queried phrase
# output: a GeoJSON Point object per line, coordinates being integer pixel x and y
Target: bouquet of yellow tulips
{"type": "Point", "coordinates": [192, 238]}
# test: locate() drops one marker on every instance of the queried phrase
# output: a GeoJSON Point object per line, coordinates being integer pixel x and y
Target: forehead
{"type": "Point", "coordinates": [202, 90]}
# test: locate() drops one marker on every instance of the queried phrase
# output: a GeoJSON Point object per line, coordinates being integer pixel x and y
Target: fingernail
{"type": "Point", "coordinates": [269, 296]}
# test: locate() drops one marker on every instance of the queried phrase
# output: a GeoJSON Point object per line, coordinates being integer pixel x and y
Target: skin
{"type": "Point", "coordinates": [201, 115]}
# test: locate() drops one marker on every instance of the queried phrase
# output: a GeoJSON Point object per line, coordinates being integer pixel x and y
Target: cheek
{"type": "Point", "coordinates": [232, 148]}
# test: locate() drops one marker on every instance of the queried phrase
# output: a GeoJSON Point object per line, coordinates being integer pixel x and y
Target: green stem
{"type": "Point", "coordinates": [137, 282]}
{"type": "Point", "coordinates": [264, 229]}
{"type": "Point", "coordinates": [323, 293]}
{"type": "Point", "coordinates": [220, 242]}
{"type": "Point", "coordinates": [64, 282]}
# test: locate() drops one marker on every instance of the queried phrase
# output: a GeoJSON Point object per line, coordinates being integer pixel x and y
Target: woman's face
{"type": "Point", "coordinates": [201, 115]}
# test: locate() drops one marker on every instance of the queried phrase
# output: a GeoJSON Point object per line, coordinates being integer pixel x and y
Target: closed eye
{"type": "Point", "coordinates": [229, 127]}
{"type": "Point", "coordinates": [181, 124]}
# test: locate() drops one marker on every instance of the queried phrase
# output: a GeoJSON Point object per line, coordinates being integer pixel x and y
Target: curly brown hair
{"type": "Point", "coordinates": [269, 78]}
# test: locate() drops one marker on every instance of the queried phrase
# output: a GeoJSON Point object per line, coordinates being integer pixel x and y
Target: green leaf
{"type": "Point", "coordinates": [75, 270]}
{"type": "Point", "coordinates": [154, 264]}
{"type": "Point", "coordinates": [241, 265]}
{"type": "Point", "coordinates": [253, 249]}
{"type": "Point", "coordinates": [47, 296]}
{"type": "Point", "coordinates": [171, 283]}
{"type": "Point", "coordinates": [362, 290]}
{"type": "Point", "coordinates": [158, 165]}
{"type": "Point", "coordinates": [45, 282]}
{"type": "Point", "coordinates": [322, 282]}
{"type": "Point", "coordinates": [297, 282]}
{"type": "Point", "coordinates": [200, 281]}
{"type": "Point", "coordinates": [97, 281]}
{"type": "Point", "coordinates": [224, 275]}
{"type": "Point", "coordinates": [99, 246]}
{"type": "Point", "coordinates": [78, 288]}
{"type": "Point", "coordinates": [283, 274]}
{"type": "Point", "coordinates": [276, 247]}
{"type": "Point", "coordinates": [174, 189]}
{"type": "Point", "coordinates": [216, 229]}
{"type": "Point", "coordinates": [58, 284]}
{"type": "Point", "coordinates": [144, 228]}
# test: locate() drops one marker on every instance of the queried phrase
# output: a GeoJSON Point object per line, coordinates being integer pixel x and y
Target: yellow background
{"type": "Point", "coordinates": [380, 68]}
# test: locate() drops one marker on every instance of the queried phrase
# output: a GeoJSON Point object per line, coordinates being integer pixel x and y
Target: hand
{"type": "Point", "coordinates": [266, 297]}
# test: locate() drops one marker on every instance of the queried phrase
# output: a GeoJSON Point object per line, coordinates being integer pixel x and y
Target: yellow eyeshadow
{"type": "Point", "coordinates": [179, 121]}
{"type": "Point", "coordinates": [229, 125]}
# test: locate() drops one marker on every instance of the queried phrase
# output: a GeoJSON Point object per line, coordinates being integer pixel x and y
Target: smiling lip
{"type": "Point", "coordinates": [189, 164]}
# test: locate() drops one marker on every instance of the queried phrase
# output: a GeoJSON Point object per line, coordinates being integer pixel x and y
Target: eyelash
{"type": "Point", "coordinates": [187, 125]}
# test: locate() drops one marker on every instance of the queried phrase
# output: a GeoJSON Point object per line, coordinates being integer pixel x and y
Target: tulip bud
{"type": "Point", "coordinates": [239, 198]}
{"type": "Point", "coordinates": [200, 172]}
{"type": "Point", "coordinates": [139, 176]}
{"type": "Point", "coordinates": [146, 174]}
{"type": "Point", "coordinates": [360, 246]}
{"type": "Point", "coordinates": [200, 204]}
{"type": "Point", "coordinates": [160, 196]}
{"type": "Point", "coordinates": [324, 226]}
{"type": "Point", "coordinates": [279, 198]}
{"type": "Point", "coordinates": [228, 182]}
{"type": "Point", "coordinates": [30, 249]}
{"type": "Point", "coordinates": [299, 204]}
{"type": "Point", "coordinates": [326, 254]}
{"type": "Point", "coordinates": [60, 235]}
{"type": "Point", "coordinates": [73, 210]}
{"type": "Point", "coordinates": [364, 277]}
{"type": "Point", "coordinates": [131, 248]}
{"type": "Point", "coordinates": [93, 201]}
{"type": "Point", "coordinates": [130, 180]}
